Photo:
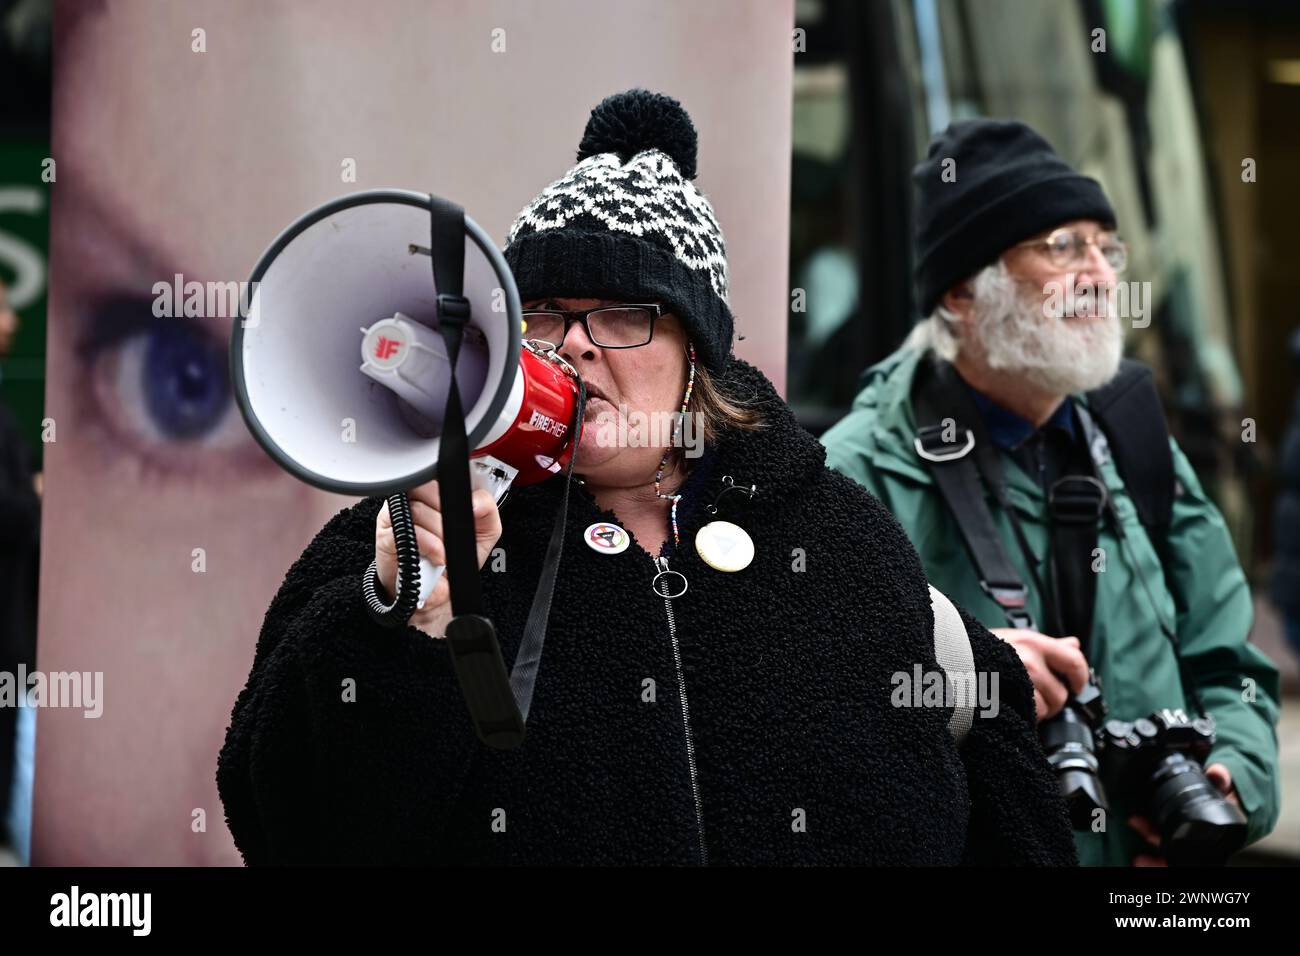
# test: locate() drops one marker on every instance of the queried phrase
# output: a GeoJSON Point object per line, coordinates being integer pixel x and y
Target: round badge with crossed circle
{"type": "Point", "coordinates": [607, 538]}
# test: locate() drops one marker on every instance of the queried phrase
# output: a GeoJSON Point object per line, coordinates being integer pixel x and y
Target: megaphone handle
{"type": "Point", "coordinates": [484, 473]}
{"type": "Point", "coordinates": [430, 574]}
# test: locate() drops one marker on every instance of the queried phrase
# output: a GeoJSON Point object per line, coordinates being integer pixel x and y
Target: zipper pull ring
{"type": "Point", "coordinates": [663, 583]}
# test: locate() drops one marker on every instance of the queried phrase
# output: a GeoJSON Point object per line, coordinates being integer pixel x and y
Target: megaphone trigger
{"type": "Point", "coordinates": [485, 473]}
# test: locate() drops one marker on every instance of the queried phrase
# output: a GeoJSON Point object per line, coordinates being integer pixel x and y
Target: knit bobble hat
{"type": "Point", "coordinates": [627, 223]}
{"type": "Point", "coordinates": [984, 186]}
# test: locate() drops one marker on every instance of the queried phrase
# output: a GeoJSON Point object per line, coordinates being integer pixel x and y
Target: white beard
{"type": "Point", "coordinates": [1061, 356]}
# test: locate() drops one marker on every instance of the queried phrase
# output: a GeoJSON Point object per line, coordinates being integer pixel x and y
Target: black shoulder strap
{"type": "Point", "coordinates": [1129, 412]}
{"type": "Point", "coordinates": [498, 702]}
{"type": "Point", "coordinates": [950, 439]}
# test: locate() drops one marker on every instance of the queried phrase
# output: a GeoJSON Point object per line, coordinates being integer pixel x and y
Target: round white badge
{"type": "Point", "coordinates": [725, 546]}
{"type": "Point", "coordinates": [606, 538]}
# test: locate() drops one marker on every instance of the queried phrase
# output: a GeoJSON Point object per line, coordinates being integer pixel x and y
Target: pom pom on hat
{"type": "Point", "coordinates": [635, 120]}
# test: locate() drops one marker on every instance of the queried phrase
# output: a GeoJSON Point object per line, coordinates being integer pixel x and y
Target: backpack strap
{"type": "Point", "coordinates": [1129, 412]}
{"type": "Point", "coordinates": [953, 652]}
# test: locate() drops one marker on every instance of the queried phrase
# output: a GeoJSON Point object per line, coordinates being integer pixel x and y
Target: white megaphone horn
{"type": "Point", "coordinates": [340, 367]}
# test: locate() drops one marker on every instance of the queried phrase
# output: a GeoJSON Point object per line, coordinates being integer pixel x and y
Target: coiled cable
{"type": "Point", "coordinates": [402, 607]}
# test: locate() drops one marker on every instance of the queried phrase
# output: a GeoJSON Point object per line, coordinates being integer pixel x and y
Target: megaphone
{"type": "Point", "coordinates": [362, 314]}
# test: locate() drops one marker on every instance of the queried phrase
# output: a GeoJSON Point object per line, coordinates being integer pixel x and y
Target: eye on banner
{"type": "Point", "coordinates": [186, 138]}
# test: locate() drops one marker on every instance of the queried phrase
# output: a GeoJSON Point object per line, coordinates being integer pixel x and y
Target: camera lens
{"type": "Point", "coordinates": [1068, 744]}
{"type": "Point", "coordinates": [1198, 827]}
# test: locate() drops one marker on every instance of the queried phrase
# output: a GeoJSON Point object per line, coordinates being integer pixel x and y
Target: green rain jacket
{"type": "Point", "coordinates": [1203, 589]}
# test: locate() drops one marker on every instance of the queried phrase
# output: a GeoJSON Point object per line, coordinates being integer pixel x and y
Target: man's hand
{"type": "Point", "coordinates": [1217, 774]}
{"type": "Point", "coordinates": [1055, 665]}
{"type": "Point", "coordinates": [1221, 777]}
{"type": "Point", "coordinates": [1147, 831]}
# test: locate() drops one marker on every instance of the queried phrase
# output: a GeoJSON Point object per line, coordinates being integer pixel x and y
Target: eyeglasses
{"type": "Point", "coordinates": [1068, 249]}
{"type": "Point", "coordinates": [607, 326]}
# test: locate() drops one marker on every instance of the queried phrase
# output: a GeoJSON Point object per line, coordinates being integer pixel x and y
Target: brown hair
{"type": "Point", "coordinates": [720, 409]}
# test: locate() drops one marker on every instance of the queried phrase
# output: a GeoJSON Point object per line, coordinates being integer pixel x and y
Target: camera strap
{"type": "Point", "coordinates": [1133, 428]}
{"type": "Point", "coordinates": [953, 443]}
{"type": "Point", "coordinates": [1075, 505]}
{"type": "Point", "coordinates": [498, 703]}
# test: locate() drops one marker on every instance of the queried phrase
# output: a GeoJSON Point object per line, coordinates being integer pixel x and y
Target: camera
{"type": "Point", "coordinates": [1071, 750]}
{"type": "Point", "coordinates": [1153, 765]}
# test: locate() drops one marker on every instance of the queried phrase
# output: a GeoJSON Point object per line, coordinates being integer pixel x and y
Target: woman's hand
{"type": "Point", "coordinates": [426, 512]}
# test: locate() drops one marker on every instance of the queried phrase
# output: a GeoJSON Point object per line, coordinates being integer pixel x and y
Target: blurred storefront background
{"type": "Point", "coordinates": [24, 203]}
{"type": "Point", "coordinates": [25, 50]}
{"type": "Point", "coordinates": [1185, 111]}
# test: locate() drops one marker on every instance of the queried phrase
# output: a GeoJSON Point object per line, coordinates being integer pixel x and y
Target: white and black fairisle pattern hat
{"type": "Point", "coordinates": [626, 222]}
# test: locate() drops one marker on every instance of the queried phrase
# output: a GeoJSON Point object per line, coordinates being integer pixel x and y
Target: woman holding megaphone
{"type": "Point", "coordinates": [738, 635]}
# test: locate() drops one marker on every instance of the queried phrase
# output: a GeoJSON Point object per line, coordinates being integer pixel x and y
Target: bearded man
{"type": "Point", "coordinates": [1034, 472]}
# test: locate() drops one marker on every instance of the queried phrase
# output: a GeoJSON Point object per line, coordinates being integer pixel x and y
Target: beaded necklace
{"type": "Point", "coordinates": [663, 462]}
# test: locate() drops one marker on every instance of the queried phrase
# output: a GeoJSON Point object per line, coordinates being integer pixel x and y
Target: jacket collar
{"type": "Point", "coordinates": [780, 457]}
{"type": "Point", "coordinates": [887, 390]}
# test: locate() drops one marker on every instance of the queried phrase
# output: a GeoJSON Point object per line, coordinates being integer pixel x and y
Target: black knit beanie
{"type": "Point", "coordinates": [627, 223]}
{"type": "Point", "coordinates": [1004, 185]}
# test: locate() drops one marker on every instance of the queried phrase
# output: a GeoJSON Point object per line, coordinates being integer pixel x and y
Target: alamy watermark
{"type": "Point", "coordinates": [1124, 300]}
{"type": "Point", "coordinates": [203, 300]}
{"type": "Point", "coordinates": [940, 688]}
{"type": "Point", "coordinates": [637, 429]}
{"type": "Point", "coordinates": [73, 689]}
{"type": "Point", "coordinates": [74, 908]}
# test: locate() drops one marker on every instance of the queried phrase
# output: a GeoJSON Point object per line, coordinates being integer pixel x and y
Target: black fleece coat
{"type": "Point", "coordinates": [785, 667]}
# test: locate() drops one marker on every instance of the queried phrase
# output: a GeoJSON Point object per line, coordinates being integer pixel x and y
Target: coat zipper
{"type": "Point", "coordinates": [661, 565]}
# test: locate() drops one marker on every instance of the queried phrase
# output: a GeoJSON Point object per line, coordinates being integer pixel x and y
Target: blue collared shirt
{"type": "Point", "coordinates": [1045, 452]}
